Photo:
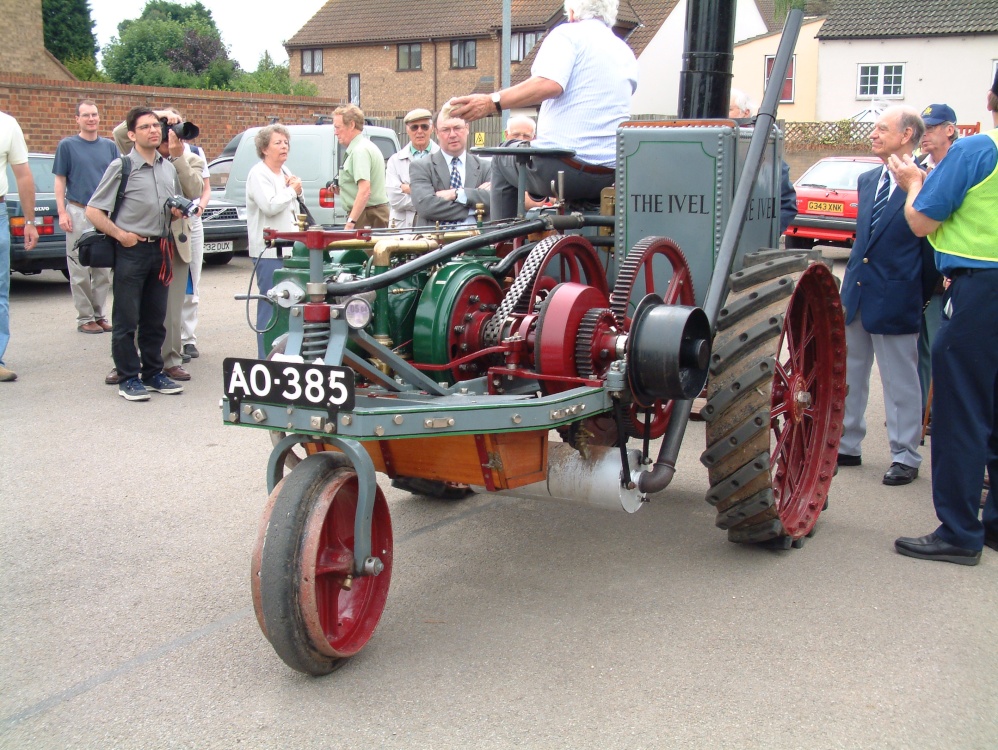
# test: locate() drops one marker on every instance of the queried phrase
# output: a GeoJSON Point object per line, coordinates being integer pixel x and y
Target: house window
{"type": "Point", "coordinates": [410, 57]}
{"type": "Point", "coordinates": [353, 88]}
{"type": "Point", "coordinates": [885, 80]}
{"type": "Point", "coordinates": [311, 62]}
{"type": "Point", "coordinates": [787, 94]}
{"type": "Point", "coordinates": [462, 53]}
{"type": "Point", "coordinates": [520, 44]}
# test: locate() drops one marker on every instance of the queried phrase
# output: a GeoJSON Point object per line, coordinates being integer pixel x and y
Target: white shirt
{"type": "Point", "coordinates": [598, 74]}
{"type": "Point", "coordinates": [13, 150]}
{"type": "Point", "coordinates": [269, 203]}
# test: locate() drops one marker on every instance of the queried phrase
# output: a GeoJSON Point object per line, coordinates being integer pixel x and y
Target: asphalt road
{"type": "Point", "coordinates": [125, 539]}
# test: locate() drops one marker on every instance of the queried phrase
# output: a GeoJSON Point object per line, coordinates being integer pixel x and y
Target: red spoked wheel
{"type": "Point", "coordinates": [775, 401]}
{"type": "Point", "coordinates": [316, 609]}
{"type": "Point", "coordinates": [655, 265]}
{"type": "Point", "coordinates": [571, 258]}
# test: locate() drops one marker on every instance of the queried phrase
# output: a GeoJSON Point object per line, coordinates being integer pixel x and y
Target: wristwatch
{"type": "Point", "coordinates": [495, 100]}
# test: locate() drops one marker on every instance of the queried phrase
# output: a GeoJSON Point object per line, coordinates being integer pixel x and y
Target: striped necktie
{"type": "Point", "coordinates": [455, 173]}
{"type": "Point", "coordinates": [881, 200]}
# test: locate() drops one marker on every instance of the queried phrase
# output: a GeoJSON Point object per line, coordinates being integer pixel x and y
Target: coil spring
{"type": "Point", "coordinates": [315, 340]}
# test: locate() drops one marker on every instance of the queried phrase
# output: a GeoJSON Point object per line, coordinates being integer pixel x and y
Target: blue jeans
{"type": "Point", "coordinates": [4, 281]}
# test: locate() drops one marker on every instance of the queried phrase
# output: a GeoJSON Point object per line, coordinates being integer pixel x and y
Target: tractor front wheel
{"type": "Point", "coordinates": [313, 608]}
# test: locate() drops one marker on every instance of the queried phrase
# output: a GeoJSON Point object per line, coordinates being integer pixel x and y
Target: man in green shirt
{"type": "Point", "coordinates": [362, 176]}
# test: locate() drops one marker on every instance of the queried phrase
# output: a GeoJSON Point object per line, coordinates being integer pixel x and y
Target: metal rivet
{"type": "Point", "coordinates": [517, 419]}
{"type": "Point", "coordinates": [247, 409]}
{"type": "Point", "coordinates": [379, 430]}
{"type": "Point", "coordinates": [346, 419]}
{"type": "Point", "coordinates": [398, 419]}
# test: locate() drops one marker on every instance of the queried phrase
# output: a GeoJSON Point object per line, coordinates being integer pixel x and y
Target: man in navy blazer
{"type": "Point", "coordinates": [883, 295]}
{"type": "Point", "coordinates": [437, 193]}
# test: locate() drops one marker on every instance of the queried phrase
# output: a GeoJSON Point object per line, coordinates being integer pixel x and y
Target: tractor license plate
{"type": "Point", "coordinates": [299, 384]}
{"type": "Point", "coordinates": [218, 247]}
{"type": "Point", "coordinates": [824, 207]}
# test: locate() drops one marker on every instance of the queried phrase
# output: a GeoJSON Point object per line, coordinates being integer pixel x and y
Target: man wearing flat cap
{"type": "Point", "coordinates": [419, 126]}
{"type": "Point", "coordinates": [954, 205]}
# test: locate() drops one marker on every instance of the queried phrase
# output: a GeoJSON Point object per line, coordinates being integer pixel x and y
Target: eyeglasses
{"type": "Point", "coordinates": [418, 126]}
{"type": "Point", "coordinates": [453, 129]}
{"type": "Point", "coordinates": [151, 126]}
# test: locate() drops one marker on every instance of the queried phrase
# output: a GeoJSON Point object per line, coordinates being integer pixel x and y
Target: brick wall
{"type": "Point", "coordinates": [384, 88]}
{"type": "Point", "coordinates": [23, 48]}
{"type": "Point", "coordinates": [46, 108]}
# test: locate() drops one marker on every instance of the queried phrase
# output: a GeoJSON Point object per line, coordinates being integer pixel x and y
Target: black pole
{"type": "Point", "coordinates": [705, 80]}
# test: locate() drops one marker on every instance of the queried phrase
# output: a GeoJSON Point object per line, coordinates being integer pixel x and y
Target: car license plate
{"type": "Point", "coordinates": [825, 207]}
{"type": "Point", "coordinates": [299, 384]}
{"type": "Point", "coordinates": [218, 247]}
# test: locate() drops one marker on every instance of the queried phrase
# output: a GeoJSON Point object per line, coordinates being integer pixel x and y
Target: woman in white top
{"type": "Point", "coordinates": [271, 201]}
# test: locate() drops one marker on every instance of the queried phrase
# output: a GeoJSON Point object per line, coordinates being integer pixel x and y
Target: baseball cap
{"type": "Point", "coordinates": [417, 114]}
{"type": "Point", "coordinates": [936, 114]}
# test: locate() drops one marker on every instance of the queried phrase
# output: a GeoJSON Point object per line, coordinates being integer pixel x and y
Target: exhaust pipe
{"type": "Point", "coordinates": [594, 481]}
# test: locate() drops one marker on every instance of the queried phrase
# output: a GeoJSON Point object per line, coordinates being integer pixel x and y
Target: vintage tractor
{"type": "Point", "coordinates": [522, 357]}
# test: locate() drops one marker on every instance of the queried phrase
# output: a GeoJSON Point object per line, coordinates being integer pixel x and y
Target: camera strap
{"type": "Point", "coordinates": [126, 167]}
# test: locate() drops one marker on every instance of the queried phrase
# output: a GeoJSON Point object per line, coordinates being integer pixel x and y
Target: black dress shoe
{"type": "Point", "coordinates": [932, 547]}
{"type": "Point", "coordinates": [900, 474]}
{"type": "Point", "coordinates": [847, 460]}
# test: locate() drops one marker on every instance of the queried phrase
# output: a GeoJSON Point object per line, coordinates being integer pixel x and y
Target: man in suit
{"type": "Point", "coordinates": [447, 186]}
{"type": "Point", "coordinates": [882, 293]}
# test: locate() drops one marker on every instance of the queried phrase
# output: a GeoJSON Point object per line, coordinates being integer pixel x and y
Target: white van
{"type": "Point", "coordinates": [315, 156]}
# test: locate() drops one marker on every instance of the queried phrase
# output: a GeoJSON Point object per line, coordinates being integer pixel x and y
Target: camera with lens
{"type": "Point", "coordinates": [179, 202]}
{"type": "Point", "coordinates": [186, 131]}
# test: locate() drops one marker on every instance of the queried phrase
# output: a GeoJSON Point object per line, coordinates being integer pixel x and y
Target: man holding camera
{"type": "Point", "coordinates": [143, 264]}
{"type": "Point", "coordinates": [190, 170]}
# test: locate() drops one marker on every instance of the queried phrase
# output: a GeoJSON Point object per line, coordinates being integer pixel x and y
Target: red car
{"type": "Point", "coordinates": [827, 200]}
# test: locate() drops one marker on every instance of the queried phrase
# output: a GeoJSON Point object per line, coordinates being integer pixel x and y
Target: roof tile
{"type": "Point", "coordinates": [858, 19]}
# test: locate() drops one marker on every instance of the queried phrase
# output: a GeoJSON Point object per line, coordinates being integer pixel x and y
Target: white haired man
{"type": "Point", "coordinates": [583, 77]}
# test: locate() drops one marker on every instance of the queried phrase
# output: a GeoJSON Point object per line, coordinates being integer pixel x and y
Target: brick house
{"type": "Point", "coordinates": [28, 55]}
{"type": "Point", "coordinates": [385, 60]}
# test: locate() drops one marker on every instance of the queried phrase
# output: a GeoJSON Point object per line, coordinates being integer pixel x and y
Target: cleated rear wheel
{"type": "Point", "coordinates": [775, 401]}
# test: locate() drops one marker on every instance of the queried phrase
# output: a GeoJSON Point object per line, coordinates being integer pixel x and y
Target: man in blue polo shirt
{"type": "Point", "coordinates": [955, 206]}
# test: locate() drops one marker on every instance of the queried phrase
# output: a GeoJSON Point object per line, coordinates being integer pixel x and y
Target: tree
{"type": "Point", "coordinates": [271, 78]}
{"type": "Point", "coordinates": [170, 45]}
{"type": "Point", "coordinates": [69, 30]}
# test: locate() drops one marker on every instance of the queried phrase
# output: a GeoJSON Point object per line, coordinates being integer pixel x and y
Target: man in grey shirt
{"type": "Point", "coordinates": [143, 264]}
{"type": "Point", "coordinates": [80, 161]}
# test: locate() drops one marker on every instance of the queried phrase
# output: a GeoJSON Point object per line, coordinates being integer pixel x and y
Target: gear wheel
{"type": "Point", "coordinates": [590, 360]}
{"type": "Point", "coordinates": [680, 288]}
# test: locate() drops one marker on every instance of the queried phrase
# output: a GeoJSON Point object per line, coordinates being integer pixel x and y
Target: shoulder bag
{"type": "Point", "coordinates": [95, 248]}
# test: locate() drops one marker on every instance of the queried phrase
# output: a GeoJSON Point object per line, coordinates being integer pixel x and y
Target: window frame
{"type": "Point", "coordinates": [409, 46]}
{"type": "Point", "coordinates": [768, 62]}
{"type": "Point", "coordinates": [459, 49]}
{"type": "Point", "coordinates": [312, 54]}
{"type": "Point", "coordinates": [351, 77]}
{"type": "Point", "coordinates": [881, 76]}
{"type": "Point", "coordinates": [517, 45]}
